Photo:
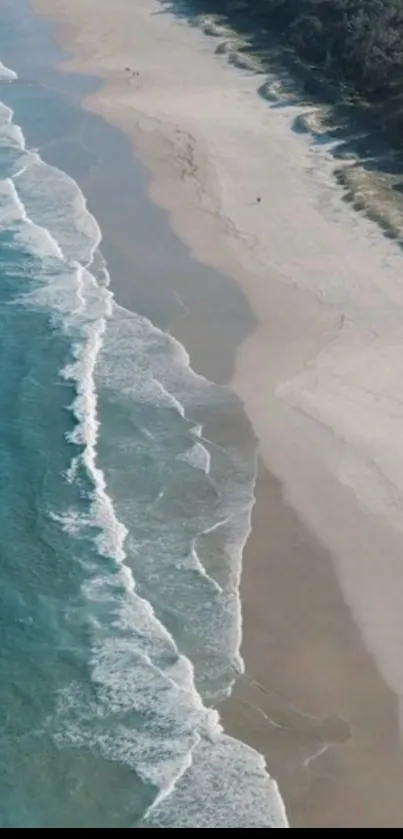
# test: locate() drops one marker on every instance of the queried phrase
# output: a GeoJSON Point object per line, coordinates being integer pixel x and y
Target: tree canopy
{"type": "Point", "coordinates": [357, 44]}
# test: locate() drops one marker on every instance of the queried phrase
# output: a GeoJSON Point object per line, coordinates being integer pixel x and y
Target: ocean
{"type": "Point", "coordinates": [122, 525]}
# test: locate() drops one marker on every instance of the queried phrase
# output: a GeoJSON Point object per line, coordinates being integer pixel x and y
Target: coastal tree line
{"type": "Point", "coordinates": [356, 43]}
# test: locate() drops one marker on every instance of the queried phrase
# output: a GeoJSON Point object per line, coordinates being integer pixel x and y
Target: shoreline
{"type": "Point", "coordinates": [312, 700]}
{"type": "Point", "coordinates": [299, 327]}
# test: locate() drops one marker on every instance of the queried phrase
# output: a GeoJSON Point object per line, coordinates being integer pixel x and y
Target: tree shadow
{"type": "Point", "coordinates": [363, 134]}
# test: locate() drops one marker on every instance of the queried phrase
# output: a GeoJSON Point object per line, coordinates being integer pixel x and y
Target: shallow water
{"type": "Point", "coordinates": [122, 526]}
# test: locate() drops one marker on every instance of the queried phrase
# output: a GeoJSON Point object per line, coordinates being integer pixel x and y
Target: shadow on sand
{"type": "Point", "coordinates": [367, 165]}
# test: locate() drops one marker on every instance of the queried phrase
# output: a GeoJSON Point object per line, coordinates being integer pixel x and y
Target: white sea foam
{"type": "Point", "coordinates": [124, 672]}
{"type": "Point", "coordinates": [53, 200]}
{"type": "Point", "coordinates": [164, 537]}
{"type": "Point", "coordinates": [112, 533]}
{"type": "Point", "coordinates": [204, 778]}
{"type": "Point", "coordinates": [10, 133]}
{"type": "Point", "coordinates": [136, 666]}
{"type": "Point", "coordinates": [199, 801]}
{"type": "Point", "coordinates": [6, 74]}
{"type": "Point", "coordinates": [13, 214]}
{"type": "Point", "coordinates": [198, 456]}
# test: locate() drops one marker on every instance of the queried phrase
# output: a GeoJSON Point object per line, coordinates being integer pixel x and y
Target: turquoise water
{"type": "Point", "coordinates": [122, 527]}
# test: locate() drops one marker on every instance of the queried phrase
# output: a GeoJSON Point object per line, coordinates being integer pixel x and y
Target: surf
{"type": "Point", "coordinates": [141, 706]}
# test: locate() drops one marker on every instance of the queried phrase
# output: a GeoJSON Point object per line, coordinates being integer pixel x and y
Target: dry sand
{"type": "Point", "coordinates": [321, 378]}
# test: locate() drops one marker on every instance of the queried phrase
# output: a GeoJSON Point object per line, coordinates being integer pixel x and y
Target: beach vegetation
{"type": "Point", "coordinates": [355, 44]}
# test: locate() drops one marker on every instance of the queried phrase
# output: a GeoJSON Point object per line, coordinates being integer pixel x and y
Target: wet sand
{"type": "Point", "coordinates": [312, 699]}
{"type": "Point", "coordinates": [322, 579]}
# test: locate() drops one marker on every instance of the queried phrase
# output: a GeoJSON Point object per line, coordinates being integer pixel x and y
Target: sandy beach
{"type": "Point", "coordinates": [319, 372]}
